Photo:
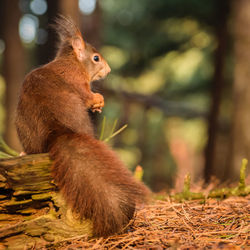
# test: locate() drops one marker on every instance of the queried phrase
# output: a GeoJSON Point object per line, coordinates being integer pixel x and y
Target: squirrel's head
{"type": "Point", "coordinates": [72, 43]}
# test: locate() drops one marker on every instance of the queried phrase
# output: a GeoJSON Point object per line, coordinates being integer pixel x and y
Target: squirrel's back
{"type": "Point", "coordinates": [48, 107]}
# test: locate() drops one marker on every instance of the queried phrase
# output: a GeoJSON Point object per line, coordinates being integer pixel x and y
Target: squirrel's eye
{"type": "Point", "coordinates": [96, 58]}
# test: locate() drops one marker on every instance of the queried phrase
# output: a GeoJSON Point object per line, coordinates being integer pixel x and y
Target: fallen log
{"type": "Point", "coordinates": [32, 211]}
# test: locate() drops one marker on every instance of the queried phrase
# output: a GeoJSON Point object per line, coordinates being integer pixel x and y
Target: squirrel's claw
{"type": "Point", "coordinates": [98, 103]}
{"type": "Point", "coordinates": [99, 110]}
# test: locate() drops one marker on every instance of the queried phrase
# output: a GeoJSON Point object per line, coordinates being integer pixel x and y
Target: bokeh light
{"type": "Point", "coordinates": [87, 7]}
{"type": "Point", "coordinates": [28, 28]}
{"type": "Point", "coordinates": [38, 7]}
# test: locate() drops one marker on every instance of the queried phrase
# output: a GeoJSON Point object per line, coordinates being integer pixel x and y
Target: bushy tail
{"type": "Point", "coordinates": [95, 183]}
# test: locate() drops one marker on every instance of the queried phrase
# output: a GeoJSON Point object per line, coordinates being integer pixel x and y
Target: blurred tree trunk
{"type": "Point", "coordinates": [13, 66]}
{"type": "Point", "coordinates": [46, 52]}
{"type": "Point", "coordinates": [241, 89]}
{"type": "Point", "coordinates": [91, 27]}
{"type": "Point", "coordinates": [217, 87]}
{"type": "Point", "coordinates": [71, 9]}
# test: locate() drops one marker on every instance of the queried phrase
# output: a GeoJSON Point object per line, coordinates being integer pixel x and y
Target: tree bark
{"type": "Point", "coordinates": [13, 66]}
{"type": "Point", "coordinates": [32, 212]}
{"type": "Point", "coordinates": [216, 88]}
{"type": "Point", "coordinates": [241, 88]}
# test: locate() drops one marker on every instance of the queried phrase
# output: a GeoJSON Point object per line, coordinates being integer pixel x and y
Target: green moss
{"type": "Point", "coordinates": [241, 190]}
{"type": "Point", "coordinates": [186, 194]}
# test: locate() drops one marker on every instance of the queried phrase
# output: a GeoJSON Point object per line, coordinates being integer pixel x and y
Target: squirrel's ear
{"type": "Point", "coordinates": [78, 47]}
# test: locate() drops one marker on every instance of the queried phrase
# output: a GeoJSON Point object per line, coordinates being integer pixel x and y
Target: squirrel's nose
{"type": "Point", "coordinates": [108, 69]}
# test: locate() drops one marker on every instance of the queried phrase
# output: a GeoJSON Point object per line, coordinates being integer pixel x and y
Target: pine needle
{"type": "Point", "coordinates": [103, 128]}
{"type": "Point", "coordinates": [116, 133]}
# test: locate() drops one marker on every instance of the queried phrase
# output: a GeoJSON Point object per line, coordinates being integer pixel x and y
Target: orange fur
{"type": "Point", "coordinates": [52, 116]}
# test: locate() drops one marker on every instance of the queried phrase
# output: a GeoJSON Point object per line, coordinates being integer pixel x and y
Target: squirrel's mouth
{"type": "Point", "coordinates": [101, 74]}
{"type": "Point", "coordinates": [97, 78]}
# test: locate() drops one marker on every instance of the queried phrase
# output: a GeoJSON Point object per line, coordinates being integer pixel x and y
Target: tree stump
{"type": "Point", "coordinates": [32, 212]}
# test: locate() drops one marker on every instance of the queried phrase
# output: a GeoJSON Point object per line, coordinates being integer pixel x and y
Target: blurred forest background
{"type": "Point", "coordinates": [180, 72]}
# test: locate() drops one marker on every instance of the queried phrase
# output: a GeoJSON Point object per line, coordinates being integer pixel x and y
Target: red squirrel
{"type": "Point", "coordinates": [52, 116]}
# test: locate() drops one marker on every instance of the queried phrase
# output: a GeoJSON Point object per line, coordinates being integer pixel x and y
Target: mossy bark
{"type": "Point", "coordinates": [32, 212]}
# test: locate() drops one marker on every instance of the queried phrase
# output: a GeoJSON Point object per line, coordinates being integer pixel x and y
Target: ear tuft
{"type": "Point", "coordinates": [66, 30]}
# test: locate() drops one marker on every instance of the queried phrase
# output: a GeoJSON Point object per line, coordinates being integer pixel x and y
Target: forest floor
{"type": "Point", "coordinates": [214, 216]}
{"type": "Point", "coordinates": [166, 224]}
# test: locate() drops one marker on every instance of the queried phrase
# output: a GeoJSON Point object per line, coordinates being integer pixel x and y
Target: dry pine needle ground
{"type": "Point", "coordinates": [189, 225]}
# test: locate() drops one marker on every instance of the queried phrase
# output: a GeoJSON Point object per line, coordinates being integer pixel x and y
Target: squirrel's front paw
{"type": "Point", "coordinates": [98, 103]}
